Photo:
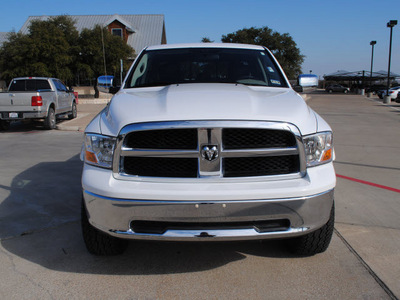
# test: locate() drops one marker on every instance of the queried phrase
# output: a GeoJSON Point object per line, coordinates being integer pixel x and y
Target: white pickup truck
{"type": "Point", "coordinates": [36, 98]}
{"type": "Point", "coordinates": [207, 142]}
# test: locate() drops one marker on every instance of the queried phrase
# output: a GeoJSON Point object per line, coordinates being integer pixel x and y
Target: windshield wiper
{"type": "Point", "coordinates": [252, 84]}
{"type": "Point", "coordinates": [155, 84]}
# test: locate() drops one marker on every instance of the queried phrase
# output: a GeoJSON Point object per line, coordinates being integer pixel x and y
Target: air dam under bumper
{"type": "Point", "coordinates": [211, 220]}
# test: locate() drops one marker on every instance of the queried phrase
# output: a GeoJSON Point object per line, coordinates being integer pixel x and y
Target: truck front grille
{"type": "Point", "coordinates": [260, 166]}
{"type": "Point", "coordinates": [201, 149]}
{"type": "Point", "coordinates": [178, 139]}
{"type": "Point", "coordinates": [161, 167]}
{"type": "Point", "coordinates": [244, 138]}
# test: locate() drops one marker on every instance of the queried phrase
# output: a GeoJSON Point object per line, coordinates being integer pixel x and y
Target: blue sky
{"type": "Point", "coordinates": [333, 35]}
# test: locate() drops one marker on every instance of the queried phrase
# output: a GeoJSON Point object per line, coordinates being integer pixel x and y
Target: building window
{"type": "Point", "coordinates": [117, 32]}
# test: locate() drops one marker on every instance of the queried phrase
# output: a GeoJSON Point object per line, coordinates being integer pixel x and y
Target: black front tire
{"type": "Point", "coordinates": [316, 241]}
{"type": "Point", "coordinates": [98, 242]}
{"type": "Point", "coordinates": [4, 125]}
{"type": "Point", "coordinates": [74, 112]}
{"type": "Point", "coordinates": [345, 91]}
{"type": "Point", "coordinates": [50, 120]}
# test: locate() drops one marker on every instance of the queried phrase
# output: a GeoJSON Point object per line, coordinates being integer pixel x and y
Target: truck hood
{"type": "Point", "coordinates": [186, 102]}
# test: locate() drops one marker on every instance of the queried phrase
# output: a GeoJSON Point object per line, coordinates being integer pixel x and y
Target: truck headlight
{"type": "Point", "coordinates": [98, 150]}
{"type": "Point", "coordinates": [318, 148]}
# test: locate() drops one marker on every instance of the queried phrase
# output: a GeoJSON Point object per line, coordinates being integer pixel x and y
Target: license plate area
{"type": "Point", "coordinates": [13, 115]}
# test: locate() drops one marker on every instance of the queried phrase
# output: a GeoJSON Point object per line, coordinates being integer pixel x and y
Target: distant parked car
{"type": "Point", "coordinates": [375, 89]}
{"type": "Point", "coordinates": [337, 88]}
{"type": "Point", "coordinates": [393, 92]}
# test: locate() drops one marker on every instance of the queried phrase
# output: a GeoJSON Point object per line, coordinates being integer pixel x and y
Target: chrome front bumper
{"type": "Point", "coordinates": [118, 217]}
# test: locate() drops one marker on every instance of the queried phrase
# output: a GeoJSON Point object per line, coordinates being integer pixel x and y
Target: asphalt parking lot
{"type": "Point", "coordinates": [42, 255]}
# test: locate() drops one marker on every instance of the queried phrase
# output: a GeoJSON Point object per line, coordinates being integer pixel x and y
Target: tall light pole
{"type": "Point", "coordinates": [390, 24]}
{"type": "Point", "coordinates": [122, 68]}
{"type": "Point", "coordinates": [372, 43]}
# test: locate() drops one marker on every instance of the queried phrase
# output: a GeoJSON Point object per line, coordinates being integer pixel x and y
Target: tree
{"type": "Point", "coordinates": [281, 45]}
{"type": "Point", "coordinates": [46, 51]}
{"type": "Point", "coordinates": [206, 40]}
{"type": "Point", "coordinates": [18, 57]}
{"type": "Point", "coordinates": [91, 58]}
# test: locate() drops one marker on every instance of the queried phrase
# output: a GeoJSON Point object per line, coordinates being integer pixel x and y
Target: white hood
{"type": "Point", "coordinates": [206, 102]}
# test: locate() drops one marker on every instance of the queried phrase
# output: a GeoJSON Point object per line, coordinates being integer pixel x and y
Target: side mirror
{"type": "Point", "coordinates": [298, 88]}
{"type": "Point", "coordinates": [70, 89]}
{"type": "Point", "coordinates": [114, 89]}
{"type": "Point", "coordinates": [105, 84]}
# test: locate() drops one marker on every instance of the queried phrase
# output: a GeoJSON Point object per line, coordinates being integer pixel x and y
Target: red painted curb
{"type": "Point", "coordinates": [369, 183]}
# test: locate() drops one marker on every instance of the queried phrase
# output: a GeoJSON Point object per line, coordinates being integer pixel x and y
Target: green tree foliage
{"type": "Point", "coordinates": [281, 45]}
{"type": "Point", "coordinates": [91, 58]}
{"type": "Point", "coordinates": [54, 48]}
{"type": "Point", "coordinates": [18, 56]}
{"type": "Point", "coordinates": [206, 40]}
{"type": "Point", "coordinates": [46, 51]}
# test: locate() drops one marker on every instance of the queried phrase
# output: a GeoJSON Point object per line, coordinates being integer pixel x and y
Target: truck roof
{"type": "Point", "coordinates": [24, 78]}
{"type": "Point", "coordinates": [206, 45]}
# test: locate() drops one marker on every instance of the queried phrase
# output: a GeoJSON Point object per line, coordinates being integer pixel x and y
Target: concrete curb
{"type": "Point", "coordinates": [65, 127]}
{"type": "Point", "coordinates": [305, 97]}
{"type": "Point", "coordinates": [68, 128]}
{"type": "Point", "coordinates": [94, 101]}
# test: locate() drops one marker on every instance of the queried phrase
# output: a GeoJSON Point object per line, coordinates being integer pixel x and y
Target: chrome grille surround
{"type": "Point", "coordinates": [208, 133]}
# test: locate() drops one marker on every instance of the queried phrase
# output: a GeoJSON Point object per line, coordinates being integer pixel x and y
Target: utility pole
{"type": "Point", "coordinates": [372, 43]}
{"type": "Point", "coordinates": [122, 67]}
{"type": "Point", "coordinates": [390, 24]}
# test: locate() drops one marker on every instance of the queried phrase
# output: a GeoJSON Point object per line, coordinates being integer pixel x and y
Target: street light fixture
{"type": "Point", "coordinates": [372, 43]}
{"type": "Point", "coordinates": [390, 24]}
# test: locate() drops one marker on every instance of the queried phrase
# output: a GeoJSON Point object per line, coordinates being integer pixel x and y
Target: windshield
{"type": "Point", "coordinates": [205, 65]}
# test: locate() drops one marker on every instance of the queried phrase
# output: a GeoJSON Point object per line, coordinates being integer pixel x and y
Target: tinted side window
{"type": "Point", "coordinates": [60, 86]}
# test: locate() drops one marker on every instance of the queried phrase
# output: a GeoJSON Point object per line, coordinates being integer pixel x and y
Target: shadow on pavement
{"type": "Point", "coordinates": [62, 249]}
{"type": "Point", "coordinates": [43, 196]}
{"type": "Point", "coordinates": [40, 223]}
{"type": "Point", "coordinates": [30, 125]}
